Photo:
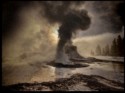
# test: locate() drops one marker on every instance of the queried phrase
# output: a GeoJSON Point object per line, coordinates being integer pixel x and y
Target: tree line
{"type": "Point", "coordinates": [116, 48]}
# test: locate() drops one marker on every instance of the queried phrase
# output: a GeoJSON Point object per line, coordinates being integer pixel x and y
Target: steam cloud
{"type": "Point", "coordinates": [70, 19]}
{"type": "Point", "coordinates": [107, 17]}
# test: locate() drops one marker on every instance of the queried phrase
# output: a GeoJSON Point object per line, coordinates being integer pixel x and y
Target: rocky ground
{"type": "Point", "coordinates": [77, 82]}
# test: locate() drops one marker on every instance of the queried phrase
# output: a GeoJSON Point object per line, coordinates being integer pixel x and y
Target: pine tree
{"type": "Point", "coordinates": [110, 50]}
{"type": "Point", "coordinates": [98, 50]}
{"type": "Point", "coordinates": [103, 52]}
{"type": "Point", "coordinates": [123, 47]}
{"type": "Point", "coordinates": [107, 50]}
{"type": "Point", "coordinates": [114, 48]}
{"type": "Point", "coordinates": [92, 53]}
{"type": "Point", "coordinates": [119, 46]}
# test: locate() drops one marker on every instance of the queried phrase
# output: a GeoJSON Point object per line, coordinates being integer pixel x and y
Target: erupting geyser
{"type": "Point", "coordinates": [71, 18]}
{"type": "Point", "coordinates": [73, 21]}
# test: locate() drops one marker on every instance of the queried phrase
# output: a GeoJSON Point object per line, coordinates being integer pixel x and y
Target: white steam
{"type": "Point", "coordinates": [34, 39]}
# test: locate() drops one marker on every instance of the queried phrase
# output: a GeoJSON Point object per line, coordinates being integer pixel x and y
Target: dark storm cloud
{"type": "Point", "coordinates": [119, 11]}
{"type": "Point", "coordinates": [108, 11]}
{"type": "Point", "coordinates": [107, 17]}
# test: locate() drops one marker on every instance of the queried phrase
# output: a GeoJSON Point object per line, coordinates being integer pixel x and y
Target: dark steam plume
{"type": "Point", "coordinates": [70, 18]}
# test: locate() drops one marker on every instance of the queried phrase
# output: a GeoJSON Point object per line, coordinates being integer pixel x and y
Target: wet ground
{"type": "Point", "coordinates": [85, 76]}
{"type": "Point", "coordinates": [76, 82]}
{"type": "Point", "coordinates": [113, 71]}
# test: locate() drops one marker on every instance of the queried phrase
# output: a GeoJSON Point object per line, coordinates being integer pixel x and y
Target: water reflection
{"type": "Point", "coordinates": [63, 72]}
{"type": "Point", "coordinates": [118, 67]}
{"type": "Point", "coordinates": [31, 73]}
{"type": "Point", "coordinates": [119, 72]}
{"type": "Point", "coordinates": [27, 73]}
{"type": "Point", "coordinates": [112, 71]}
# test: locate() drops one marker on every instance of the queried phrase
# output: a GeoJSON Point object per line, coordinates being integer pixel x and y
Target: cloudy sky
{"type": "Point", "coordinates": [30, 29]}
